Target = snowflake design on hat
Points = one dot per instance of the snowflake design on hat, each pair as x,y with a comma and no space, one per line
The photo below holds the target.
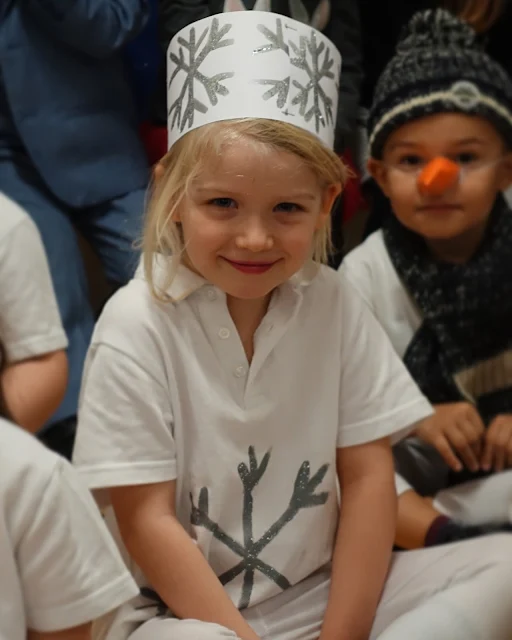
316,62
182,110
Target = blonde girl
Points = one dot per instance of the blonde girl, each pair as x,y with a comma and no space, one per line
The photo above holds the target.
234,386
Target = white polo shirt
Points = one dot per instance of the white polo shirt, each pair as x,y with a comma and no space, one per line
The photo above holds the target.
370,271
30,323
168,394
59,566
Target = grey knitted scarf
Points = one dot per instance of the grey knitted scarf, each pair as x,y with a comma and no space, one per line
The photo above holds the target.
463,348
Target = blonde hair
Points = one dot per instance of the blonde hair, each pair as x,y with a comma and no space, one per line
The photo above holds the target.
480,14
187,158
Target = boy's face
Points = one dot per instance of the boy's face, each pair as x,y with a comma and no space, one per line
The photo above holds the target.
465,204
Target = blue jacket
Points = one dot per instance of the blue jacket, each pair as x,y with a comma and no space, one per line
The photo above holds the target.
66,88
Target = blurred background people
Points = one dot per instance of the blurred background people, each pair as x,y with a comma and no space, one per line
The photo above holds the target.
70,152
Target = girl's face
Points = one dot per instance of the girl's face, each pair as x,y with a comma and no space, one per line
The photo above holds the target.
464,207
249,220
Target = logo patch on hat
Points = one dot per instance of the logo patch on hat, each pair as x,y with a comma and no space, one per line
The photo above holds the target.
465,95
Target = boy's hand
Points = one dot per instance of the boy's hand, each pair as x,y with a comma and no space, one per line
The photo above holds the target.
456,431
497,452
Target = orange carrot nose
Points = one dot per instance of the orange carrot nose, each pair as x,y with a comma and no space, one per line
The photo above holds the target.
438,176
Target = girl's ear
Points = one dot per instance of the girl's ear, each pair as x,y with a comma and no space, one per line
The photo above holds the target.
329,198
176,216
158,171
330,195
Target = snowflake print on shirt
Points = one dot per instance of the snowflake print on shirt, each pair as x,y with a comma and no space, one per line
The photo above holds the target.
303,496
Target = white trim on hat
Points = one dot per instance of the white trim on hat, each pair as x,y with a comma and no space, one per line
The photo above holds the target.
464,95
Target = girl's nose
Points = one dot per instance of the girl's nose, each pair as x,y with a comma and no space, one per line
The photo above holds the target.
440,175
255,237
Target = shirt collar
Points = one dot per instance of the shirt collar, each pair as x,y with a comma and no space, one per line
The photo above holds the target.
186,282
305,276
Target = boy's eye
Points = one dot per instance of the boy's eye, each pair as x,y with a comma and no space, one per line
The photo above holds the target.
410,161
465,158
288,207
223,203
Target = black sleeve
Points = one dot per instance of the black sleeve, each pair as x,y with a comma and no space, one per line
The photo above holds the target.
173,15
176,14
344,29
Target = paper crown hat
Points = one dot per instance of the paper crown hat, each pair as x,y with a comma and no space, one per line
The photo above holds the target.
252,64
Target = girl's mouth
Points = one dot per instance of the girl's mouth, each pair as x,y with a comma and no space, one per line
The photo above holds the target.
254,268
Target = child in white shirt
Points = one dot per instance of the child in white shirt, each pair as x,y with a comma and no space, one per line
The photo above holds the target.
438,276
60,567
33,363
234,383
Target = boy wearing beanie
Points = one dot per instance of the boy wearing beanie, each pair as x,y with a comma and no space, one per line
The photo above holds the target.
438,276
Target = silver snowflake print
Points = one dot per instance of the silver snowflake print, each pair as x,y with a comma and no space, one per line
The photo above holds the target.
315,60
183,109
304,495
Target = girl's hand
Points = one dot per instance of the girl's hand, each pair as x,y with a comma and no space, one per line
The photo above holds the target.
457,432
497,453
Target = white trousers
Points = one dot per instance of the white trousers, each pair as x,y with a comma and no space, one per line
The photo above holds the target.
483,501
460,591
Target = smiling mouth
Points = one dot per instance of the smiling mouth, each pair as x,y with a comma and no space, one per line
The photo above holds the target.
439,207
251,267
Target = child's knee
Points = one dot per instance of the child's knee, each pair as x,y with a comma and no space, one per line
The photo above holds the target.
158,629
486,552
499,550
197,630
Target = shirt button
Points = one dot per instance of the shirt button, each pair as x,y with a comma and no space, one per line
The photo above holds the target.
224,333
240,372
211,294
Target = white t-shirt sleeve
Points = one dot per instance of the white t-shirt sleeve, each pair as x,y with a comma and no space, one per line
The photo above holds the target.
356,270
30,323
125,422
378,397
69,566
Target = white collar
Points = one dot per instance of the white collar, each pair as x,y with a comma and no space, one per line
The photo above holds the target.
186,282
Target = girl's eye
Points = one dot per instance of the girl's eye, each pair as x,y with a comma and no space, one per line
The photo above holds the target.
223,203
288,207
466,158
